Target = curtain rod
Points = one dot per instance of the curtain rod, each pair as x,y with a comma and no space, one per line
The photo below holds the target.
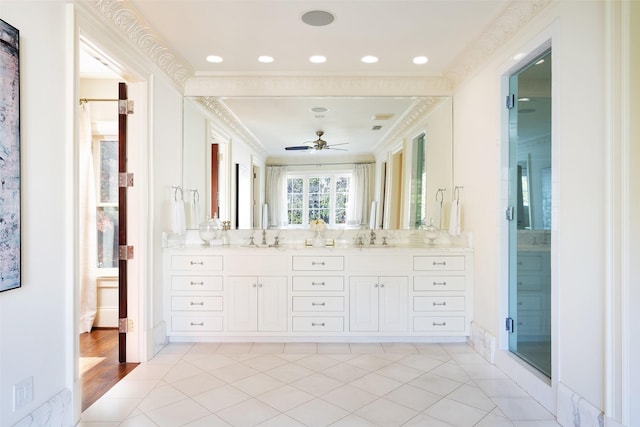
85,100
325,164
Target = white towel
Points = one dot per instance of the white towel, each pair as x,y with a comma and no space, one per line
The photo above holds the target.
454,219
179,223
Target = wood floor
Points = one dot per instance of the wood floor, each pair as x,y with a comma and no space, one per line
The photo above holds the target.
99,366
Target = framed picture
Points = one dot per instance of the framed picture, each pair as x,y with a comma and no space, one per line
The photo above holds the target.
10,244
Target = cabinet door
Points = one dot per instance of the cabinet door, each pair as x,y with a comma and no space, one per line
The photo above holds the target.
392,305
243,303
272,304
363,303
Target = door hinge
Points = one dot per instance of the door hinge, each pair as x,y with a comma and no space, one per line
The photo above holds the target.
511,101
509,213
508,324
125,253
125,179
123,325
125,106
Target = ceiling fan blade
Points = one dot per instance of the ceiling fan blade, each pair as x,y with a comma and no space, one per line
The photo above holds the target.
299,147
342,143
331,148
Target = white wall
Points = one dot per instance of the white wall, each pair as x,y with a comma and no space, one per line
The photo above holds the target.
35,321
578,56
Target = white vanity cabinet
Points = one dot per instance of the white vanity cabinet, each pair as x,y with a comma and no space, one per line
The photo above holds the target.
442,294
318,299
378,303
257,304
332,294
195,298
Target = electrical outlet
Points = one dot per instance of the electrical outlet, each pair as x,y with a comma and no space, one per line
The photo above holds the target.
22,393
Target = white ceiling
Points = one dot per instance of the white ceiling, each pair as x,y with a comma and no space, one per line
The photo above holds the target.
393,30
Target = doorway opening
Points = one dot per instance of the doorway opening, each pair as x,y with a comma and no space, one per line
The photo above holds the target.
99,237
529,213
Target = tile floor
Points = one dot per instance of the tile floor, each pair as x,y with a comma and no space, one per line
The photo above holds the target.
309,384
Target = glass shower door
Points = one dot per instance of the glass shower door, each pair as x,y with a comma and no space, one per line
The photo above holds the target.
529,213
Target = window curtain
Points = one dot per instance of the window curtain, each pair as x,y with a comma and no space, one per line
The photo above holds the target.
276,195
87,226
360,195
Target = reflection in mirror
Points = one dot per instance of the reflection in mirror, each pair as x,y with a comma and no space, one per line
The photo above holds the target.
392,203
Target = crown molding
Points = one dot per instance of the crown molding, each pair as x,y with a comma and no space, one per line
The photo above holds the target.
321,85
517,14
226,118
122,16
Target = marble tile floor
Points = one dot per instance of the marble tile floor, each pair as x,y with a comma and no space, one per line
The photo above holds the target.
316,384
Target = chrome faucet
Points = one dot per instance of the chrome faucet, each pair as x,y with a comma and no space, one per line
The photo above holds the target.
264,238
372,238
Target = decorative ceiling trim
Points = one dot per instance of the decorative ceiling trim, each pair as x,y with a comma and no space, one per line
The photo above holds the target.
121,15
417,112
503,28
222,113
317,86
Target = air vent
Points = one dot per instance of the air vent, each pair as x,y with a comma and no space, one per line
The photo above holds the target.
383,116
376,127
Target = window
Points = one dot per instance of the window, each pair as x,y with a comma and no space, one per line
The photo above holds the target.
315,196
106,152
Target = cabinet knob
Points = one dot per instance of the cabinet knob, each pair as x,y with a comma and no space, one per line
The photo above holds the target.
439,324
317,263
197,303
317,324
197,324
192,283
440,303
314,304
196,262
317,283
439,283
440,263
382,285
254,285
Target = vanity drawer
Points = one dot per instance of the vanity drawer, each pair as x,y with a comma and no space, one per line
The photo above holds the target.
196,323
318,324
196,283
318,263
438,324
318,303
530,262
438,304
318,283
534,282
438,263
438,283
196,303
196,262
530,302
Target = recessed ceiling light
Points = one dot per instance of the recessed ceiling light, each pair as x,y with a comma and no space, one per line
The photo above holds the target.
369,59
265,59
214,59
318,59
318,18
420,60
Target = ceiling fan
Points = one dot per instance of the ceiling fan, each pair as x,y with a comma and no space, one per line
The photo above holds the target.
318,144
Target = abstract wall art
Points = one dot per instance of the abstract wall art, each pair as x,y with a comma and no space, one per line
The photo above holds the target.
10,242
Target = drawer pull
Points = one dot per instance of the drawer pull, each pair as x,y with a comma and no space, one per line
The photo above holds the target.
196,283
439,324
440,303
197,324
439,283
440,263
314,304
317,263
317,324
317,283
197,303
196,262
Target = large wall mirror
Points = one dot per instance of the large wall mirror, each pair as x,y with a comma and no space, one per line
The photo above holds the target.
230,144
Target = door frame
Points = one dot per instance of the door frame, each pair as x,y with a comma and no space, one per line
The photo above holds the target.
543,389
